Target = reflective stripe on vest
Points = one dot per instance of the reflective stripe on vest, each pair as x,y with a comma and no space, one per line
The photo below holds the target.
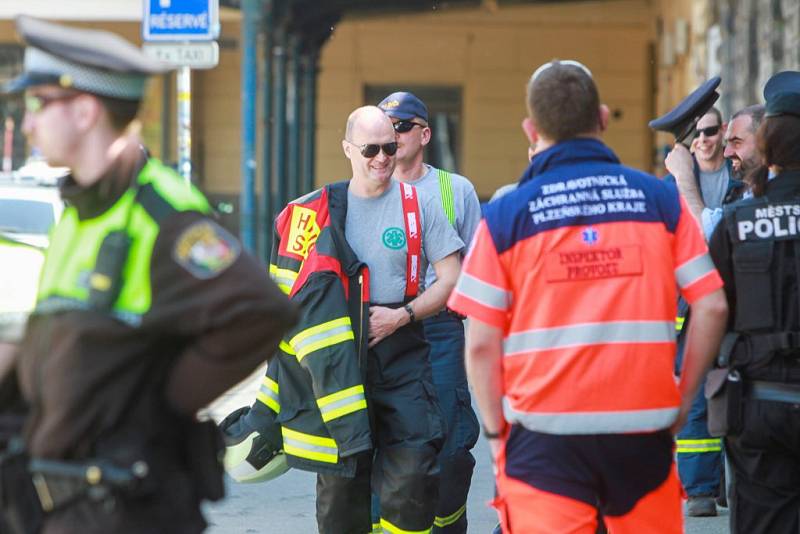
695,446
319,337
413,226
74,246
389,528
268,394
589,334
648,420
342,403
446,192
311,447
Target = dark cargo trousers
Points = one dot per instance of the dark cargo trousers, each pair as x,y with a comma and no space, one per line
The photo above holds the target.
445,333
408,430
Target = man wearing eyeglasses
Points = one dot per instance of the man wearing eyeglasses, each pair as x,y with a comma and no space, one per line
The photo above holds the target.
706,180
146,311
571,286
397,232
444,331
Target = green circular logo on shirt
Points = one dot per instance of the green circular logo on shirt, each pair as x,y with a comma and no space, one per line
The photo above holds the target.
394,238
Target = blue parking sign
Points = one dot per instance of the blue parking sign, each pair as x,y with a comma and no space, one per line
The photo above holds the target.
180,20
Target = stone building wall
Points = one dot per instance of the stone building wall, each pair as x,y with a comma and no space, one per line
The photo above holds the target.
759,38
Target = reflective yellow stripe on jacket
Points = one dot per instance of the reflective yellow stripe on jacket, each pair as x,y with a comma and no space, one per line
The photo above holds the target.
442,522
342,403
311,447
284,278
389,528
319,337
693,446
268,394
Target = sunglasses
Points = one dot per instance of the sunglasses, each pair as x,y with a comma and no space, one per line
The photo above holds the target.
708,132
370,150
405,126
36,103
568,62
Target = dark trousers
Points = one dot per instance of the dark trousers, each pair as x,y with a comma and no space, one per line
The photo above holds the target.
765,463
408,429
445,333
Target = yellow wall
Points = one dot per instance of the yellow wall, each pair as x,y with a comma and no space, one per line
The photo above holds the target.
491,54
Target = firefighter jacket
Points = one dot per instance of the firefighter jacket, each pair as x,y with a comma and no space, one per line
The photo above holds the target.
321,402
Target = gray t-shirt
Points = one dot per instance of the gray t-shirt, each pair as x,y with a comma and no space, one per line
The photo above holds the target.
466,206
376,232
713,186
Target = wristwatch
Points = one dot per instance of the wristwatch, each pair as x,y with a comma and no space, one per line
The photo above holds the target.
410,312
492,435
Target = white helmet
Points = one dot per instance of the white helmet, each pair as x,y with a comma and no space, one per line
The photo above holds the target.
252,455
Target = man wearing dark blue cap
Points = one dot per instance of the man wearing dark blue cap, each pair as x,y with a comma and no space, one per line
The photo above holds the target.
756,250
147,310
444,331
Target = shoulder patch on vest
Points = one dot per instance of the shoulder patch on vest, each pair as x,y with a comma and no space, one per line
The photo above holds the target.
205,249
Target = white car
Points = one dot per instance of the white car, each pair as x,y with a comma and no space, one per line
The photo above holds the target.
28,212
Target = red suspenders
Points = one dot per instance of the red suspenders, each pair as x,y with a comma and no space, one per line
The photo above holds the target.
413,238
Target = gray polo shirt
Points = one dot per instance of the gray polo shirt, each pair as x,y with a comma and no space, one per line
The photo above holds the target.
466,206
375,230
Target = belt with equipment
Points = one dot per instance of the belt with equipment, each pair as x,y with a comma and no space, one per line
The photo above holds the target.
58,483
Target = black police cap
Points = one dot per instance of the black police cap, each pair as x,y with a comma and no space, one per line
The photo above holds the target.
681,120
782,94
94,61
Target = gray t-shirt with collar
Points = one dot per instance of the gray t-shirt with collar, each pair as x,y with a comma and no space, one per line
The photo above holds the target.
375,230
466,206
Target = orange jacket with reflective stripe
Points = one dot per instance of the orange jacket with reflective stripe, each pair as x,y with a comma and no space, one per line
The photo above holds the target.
579,268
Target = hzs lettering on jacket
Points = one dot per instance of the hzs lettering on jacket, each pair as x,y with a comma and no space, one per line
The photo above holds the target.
303,232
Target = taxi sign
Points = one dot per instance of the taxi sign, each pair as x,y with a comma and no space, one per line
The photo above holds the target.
180,20
203,55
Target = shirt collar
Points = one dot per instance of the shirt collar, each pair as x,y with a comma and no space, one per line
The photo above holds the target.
570,152
96,199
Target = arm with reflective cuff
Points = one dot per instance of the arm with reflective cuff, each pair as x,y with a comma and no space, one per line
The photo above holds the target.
694,271
325,345
482,291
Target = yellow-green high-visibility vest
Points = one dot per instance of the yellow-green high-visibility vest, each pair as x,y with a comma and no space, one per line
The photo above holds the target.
70,271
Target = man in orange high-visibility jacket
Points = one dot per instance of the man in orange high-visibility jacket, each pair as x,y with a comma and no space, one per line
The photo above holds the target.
570,286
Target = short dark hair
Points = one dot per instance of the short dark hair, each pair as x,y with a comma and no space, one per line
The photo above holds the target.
563,102
717,114
778,141
120,112
756,114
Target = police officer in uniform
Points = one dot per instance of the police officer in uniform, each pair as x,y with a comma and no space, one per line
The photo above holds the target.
757,252
146,311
